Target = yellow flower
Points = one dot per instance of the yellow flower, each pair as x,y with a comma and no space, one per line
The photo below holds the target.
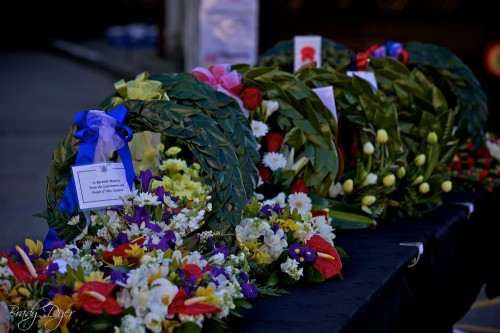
288,225
424,188
172,151
348,186
446,186
419,160
382,136
368,200
209,294
432,138
418,180
94,276
401,172
35,248
135,251
389,180
262,257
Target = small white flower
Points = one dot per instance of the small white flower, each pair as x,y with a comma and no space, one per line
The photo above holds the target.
145,199
300,201
154,321
371,179
335,190
368,148
494,149
74,220
272,106
259,128
291,267
274,161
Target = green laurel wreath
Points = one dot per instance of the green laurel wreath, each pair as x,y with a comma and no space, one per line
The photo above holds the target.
201,135
447,70
309,127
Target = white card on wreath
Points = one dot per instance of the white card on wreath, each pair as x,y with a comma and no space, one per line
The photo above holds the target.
327,96
306,50
368,76
100,185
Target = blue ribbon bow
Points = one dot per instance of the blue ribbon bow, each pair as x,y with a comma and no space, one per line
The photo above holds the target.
100,133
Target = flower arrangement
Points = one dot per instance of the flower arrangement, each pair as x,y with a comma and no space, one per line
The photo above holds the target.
294,129
129,270
477,169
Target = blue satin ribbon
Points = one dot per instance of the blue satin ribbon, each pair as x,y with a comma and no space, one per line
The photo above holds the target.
89,137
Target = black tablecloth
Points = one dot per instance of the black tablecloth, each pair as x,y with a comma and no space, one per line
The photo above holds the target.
379,292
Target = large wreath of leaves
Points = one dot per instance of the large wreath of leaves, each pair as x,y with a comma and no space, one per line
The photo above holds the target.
309,127
281,55
447,70
201,135
422,108
185,89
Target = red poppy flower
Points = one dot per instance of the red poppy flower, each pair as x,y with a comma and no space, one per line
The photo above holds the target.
299,185
274,141
328,262
94,297
190,306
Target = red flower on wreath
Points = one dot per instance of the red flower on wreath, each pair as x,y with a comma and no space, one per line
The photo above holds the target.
94,297
264,172
251,98
274,141
328,262
299,185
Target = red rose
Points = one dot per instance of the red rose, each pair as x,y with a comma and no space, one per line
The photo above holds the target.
251,98
299,186
264,172
274,142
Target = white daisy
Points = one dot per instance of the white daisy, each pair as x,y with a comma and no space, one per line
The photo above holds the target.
301,201
146,198
274,161
259,128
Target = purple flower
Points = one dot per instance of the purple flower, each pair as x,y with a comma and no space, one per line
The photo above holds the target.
141,214
166,242
269,209
249,291
161,193
120,239
145,178
303,255
118,276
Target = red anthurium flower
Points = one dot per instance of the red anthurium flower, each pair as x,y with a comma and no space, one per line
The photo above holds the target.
251,98
274,141
190,306
328,262
25,273
264,172
94,297
120,251
299,185
193,270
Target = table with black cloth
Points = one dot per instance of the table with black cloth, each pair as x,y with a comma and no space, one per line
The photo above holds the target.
381,290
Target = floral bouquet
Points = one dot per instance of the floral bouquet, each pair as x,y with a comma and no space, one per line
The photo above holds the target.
129,269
